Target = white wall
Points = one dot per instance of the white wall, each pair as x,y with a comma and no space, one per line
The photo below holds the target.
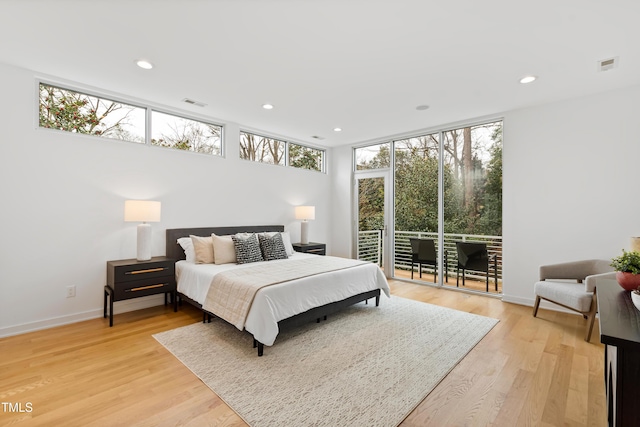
342,205
570,178
570,182
63,199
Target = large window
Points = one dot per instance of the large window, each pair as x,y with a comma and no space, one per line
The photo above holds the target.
305,157
373,157
77,112
263,149
185,134
80,113
447,188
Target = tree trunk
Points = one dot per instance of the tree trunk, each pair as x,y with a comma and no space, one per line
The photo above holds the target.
467,166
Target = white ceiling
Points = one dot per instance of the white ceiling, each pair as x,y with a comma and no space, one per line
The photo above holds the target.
362,65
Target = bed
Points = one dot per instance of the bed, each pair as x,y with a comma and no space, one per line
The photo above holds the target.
280,305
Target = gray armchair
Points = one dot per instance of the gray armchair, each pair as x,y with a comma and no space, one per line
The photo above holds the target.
572,285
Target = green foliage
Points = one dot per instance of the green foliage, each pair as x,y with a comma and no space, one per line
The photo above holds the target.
305,157
416,189
628,262
75,112
371,204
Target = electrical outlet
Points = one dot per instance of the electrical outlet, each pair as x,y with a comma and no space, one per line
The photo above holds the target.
71,291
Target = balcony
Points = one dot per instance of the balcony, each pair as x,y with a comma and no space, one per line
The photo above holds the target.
370,249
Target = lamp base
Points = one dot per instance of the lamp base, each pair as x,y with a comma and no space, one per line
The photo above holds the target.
144,242
304,232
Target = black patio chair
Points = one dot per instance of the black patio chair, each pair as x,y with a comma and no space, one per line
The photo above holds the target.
475,257
423,251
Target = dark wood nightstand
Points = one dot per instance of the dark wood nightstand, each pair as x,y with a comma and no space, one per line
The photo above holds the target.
311,248
130,278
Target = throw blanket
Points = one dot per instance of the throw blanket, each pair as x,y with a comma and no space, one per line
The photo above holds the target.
231,292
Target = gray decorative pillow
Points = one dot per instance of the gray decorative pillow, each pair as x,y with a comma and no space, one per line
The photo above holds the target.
247,249
272,247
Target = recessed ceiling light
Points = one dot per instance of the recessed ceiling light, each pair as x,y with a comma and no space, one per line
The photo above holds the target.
337,129
528,79
144,64
422,107
267,106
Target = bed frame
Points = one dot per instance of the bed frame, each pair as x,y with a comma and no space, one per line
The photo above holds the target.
175,251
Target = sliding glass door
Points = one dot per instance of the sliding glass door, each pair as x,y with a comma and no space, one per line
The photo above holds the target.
446,200
472,162
416,177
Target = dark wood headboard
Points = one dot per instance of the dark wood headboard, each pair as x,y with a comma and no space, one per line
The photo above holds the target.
174,250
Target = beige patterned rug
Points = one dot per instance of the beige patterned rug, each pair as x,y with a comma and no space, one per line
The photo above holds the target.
365,366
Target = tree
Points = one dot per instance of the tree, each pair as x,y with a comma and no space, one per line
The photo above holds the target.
371,204
305,157
490,221
472,187
75,112
191,135
261,149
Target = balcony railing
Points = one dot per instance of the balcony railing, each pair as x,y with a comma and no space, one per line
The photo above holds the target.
370,249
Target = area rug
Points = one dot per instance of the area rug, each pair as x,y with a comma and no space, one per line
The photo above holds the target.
364,366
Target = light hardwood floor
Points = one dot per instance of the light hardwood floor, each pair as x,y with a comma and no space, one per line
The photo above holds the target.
526,372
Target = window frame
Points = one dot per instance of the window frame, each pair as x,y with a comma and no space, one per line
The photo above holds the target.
287,143
323,156
148,108
260,135
150,112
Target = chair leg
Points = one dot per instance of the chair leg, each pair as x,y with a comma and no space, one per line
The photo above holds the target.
420,269
457,276
591,317
446,267
535,306
411,270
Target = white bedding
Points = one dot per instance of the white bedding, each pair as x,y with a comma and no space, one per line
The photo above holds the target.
276,302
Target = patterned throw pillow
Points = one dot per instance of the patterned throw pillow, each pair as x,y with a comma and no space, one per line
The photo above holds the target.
247,249
272,247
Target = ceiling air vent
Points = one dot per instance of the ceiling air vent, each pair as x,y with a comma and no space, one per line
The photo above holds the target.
192,102
608,64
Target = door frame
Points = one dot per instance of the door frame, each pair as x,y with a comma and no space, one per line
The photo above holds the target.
388,234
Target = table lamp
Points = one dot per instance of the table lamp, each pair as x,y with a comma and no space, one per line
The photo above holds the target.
305,213
143,211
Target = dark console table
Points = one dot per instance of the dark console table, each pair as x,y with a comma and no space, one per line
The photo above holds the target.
620,332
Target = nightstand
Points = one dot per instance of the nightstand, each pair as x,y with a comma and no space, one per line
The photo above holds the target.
311,248
130,278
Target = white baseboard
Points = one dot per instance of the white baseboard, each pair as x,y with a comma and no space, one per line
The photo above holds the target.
118,307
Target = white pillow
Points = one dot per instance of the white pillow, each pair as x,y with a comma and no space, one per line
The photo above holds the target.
187,246
203,248
224,252
286,239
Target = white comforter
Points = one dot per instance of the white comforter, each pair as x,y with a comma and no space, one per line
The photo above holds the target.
276,302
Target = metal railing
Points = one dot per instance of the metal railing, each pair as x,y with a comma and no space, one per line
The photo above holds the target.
370,246
370,249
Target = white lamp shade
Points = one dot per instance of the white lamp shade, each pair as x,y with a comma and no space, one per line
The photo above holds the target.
305,212
141,211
